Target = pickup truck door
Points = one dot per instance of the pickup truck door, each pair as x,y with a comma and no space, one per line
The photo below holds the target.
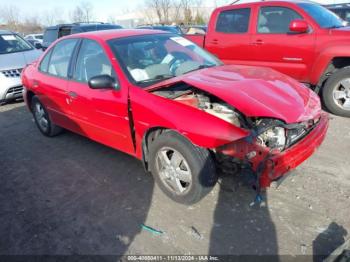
276,47
229,35
101,114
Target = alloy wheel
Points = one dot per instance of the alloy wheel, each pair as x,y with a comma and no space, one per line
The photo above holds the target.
41,117
341,94
173,170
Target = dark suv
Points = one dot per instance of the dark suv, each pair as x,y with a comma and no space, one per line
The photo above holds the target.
342,10
52,33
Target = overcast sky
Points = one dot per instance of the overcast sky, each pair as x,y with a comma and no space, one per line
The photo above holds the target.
102,8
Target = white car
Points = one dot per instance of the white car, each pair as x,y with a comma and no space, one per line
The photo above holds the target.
34,38
15,54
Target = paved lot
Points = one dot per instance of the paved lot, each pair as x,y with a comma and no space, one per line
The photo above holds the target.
69,195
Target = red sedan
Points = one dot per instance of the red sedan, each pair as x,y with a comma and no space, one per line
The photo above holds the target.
169,103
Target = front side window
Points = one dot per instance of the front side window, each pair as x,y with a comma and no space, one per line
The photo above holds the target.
322,16
61,56
276,19
91,62
148,59
233,21
11,43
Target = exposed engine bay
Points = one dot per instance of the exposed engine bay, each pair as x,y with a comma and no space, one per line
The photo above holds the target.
203,101
266,132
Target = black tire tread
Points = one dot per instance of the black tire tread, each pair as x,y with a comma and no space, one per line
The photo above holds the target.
54,130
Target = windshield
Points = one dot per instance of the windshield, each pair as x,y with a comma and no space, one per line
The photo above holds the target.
149,59
13,43
39,37
324,17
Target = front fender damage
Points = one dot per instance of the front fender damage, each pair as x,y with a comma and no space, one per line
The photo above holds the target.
270,148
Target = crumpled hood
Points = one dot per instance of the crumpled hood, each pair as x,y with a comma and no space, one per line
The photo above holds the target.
256,92
18,60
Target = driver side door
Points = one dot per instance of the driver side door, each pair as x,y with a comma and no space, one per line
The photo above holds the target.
275,46
102,114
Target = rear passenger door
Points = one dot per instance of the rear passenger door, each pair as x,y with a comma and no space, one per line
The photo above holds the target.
276,47
230,35
52,80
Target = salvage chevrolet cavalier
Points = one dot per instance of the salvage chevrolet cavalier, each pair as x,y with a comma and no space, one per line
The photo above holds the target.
164,100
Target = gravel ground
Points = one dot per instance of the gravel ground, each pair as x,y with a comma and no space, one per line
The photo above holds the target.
69,195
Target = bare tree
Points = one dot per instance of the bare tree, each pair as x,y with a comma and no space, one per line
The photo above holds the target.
53,17
87,9
82,13
11,16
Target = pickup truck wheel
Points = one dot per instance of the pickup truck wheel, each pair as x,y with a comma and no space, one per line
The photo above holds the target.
43,120
336,93
183,171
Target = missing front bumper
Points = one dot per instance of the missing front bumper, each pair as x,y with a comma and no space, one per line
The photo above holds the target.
271,166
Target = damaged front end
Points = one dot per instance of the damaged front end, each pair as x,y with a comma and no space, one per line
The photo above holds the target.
272,147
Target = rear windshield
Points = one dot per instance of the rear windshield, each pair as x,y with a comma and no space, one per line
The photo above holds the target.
11,43
50,36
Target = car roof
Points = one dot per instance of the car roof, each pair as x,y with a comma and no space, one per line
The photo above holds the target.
118,33
6,32
79,25
270,1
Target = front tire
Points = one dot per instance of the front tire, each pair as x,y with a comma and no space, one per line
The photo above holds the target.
183,171
43,120
336,93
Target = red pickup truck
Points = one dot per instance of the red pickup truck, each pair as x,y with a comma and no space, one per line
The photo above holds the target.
301,39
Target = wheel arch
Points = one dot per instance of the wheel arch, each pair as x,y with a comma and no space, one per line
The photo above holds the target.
28,98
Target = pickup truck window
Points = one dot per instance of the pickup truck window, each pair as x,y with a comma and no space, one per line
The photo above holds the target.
234,21
323,17
276,19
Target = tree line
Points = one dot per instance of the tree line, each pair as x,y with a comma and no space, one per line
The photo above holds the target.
152,11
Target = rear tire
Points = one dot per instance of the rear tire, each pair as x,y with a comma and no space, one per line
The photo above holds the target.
43,120
336,93
183,171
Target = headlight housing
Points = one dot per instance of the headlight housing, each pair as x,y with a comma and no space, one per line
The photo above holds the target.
274,138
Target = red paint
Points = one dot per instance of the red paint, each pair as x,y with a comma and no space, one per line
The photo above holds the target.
303,56
104,115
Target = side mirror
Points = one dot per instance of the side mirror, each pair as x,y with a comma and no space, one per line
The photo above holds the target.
298,26
38,45
103,82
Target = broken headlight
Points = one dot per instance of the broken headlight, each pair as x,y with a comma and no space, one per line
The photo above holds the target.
274,138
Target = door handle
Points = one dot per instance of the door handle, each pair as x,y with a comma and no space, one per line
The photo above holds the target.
214,41
72,94
258,42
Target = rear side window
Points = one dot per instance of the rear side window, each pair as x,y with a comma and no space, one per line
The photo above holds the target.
61,56
276,19
233,21
92,61
44,65
50,35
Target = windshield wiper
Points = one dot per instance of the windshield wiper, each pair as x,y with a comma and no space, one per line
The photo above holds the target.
156,78
199,67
